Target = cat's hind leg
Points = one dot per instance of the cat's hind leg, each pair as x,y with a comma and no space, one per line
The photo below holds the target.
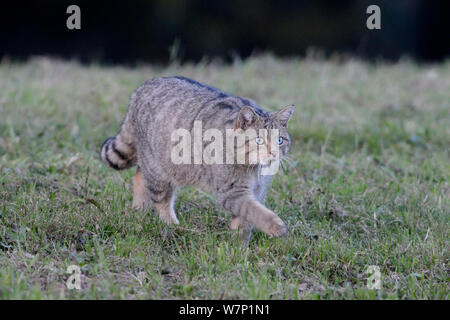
140,191
163,202
160,195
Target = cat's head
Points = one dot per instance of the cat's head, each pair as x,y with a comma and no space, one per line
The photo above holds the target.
267,134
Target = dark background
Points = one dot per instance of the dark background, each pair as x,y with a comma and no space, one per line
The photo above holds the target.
130,32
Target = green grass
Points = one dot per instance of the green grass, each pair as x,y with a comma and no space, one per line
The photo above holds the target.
368,185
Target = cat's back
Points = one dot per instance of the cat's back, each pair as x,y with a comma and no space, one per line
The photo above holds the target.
174,88
178,101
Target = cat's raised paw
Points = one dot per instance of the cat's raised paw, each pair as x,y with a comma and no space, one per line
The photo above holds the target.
277,228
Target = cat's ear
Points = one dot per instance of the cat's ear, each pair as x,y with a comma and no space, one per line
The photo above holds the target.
283,115
246,118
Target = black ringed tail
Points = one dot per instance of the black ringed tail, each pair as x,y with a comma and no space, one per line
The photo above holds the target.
118,154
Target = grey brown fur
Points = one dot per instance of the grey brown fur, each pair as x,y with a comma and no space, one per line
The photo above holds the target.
162,105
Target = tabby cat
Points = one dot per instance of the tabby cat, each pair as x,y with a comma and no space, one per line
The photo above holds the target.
162,105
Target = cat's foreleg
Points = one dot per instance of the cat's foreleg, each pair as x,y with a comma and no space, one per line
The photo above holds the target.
245,208
245,229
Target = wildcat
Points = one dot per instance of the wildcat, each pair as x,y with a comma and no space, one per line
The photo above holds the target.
162,105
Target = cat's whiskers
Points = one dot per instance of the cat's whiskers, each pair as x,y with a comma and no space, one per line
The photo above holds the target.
289,162
283,164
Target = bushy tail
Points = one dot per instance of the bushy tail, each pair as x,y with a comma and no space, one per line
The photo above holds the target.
119,152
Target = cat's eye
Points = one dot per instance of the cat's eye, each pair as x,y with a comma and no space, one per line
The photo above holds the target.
280,140
259,140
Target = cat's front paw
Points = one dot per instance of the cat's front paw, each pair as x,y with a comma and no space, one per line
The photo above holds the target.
138,205
277,228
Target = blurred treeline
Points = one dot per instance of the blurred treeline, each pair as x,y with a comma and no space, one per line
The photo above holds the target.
160,30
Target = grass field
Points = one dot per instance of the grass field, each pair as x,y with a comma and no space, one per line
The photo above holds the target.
368,184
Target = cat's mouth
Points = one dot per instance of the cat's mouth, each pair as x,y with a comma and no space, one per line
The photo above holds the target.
268,161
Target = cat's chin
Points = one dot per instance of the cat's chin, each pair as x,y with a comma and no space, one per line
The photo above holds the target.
266,164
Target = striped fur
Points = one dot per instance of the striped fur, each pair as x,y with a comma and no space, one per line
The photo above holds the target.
120,152
162,105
